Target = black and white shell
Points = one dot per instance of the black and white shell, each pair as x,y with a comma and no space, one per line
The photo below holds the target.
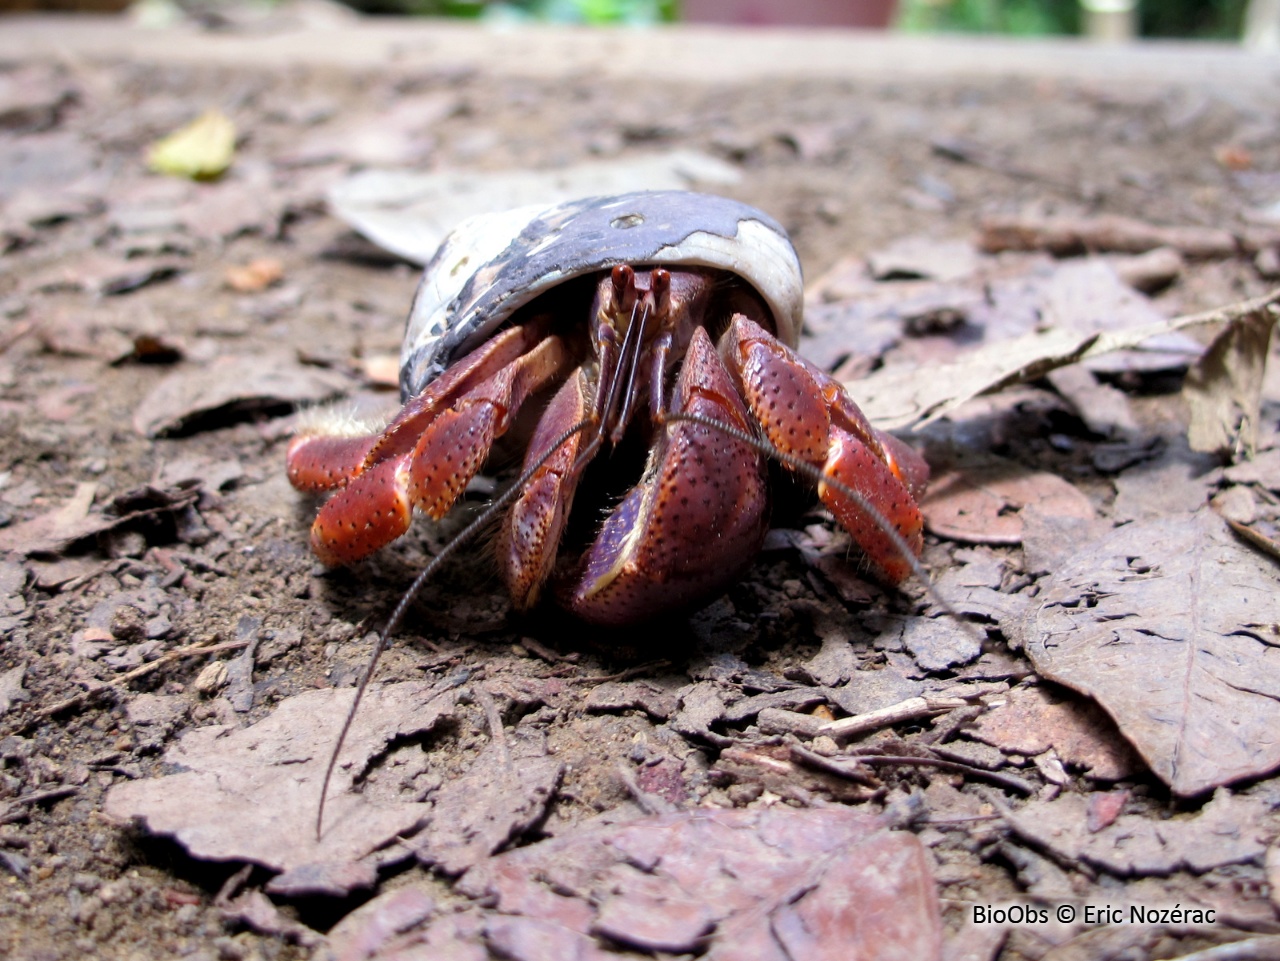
494,264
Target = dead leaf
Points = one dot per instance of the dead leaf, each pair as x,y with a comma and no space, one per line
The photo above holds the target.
53,532
1033,719
938,643
1224,387
105,274
33,98
504,793
11,691
409,213
1228,830
364,932
1147,621
1104,409
245,794
402,136
229,388
255,276
639,695
767,884
924,256
255,909
1176,482
894,397
981,500
202,150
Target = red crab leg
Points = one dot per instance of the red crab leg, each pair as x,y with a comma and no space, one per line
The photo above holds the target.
376,506
321,461
805,412
696,519
531,533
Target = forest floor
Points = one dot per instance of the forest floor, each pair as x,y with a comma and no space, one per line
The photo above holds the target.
158,336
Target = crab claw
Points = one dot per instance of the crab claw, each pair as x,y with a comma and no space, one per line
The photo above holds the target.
806,413
426,457
696,519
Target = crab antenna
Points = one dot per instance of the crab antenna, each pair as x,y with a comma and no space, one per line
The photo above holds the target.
632,359
402,607
615,378
818,477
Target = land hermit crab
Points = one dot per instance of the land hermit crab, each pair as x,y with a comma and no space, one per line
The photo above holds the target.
655,327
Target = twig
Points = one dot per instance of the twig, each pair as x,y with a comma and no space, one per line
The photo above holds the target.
1252,537
48,794
1015,784
913,708
541,650
637,671
832,765
497,733
76,700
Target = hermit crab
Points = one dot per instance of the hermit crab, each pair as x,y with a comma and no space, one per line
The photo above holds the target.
652,332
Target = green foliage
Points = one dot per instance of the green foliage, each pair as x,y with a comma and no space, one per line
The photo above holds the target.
551,11
1203,19
991,16
1199,19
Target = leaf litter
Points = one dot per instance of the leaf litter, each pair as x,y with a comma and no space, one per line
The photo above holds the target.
1210,677
737,803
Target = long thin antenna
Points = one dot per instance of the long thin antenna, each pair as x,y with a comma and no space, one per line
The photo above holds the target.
402,608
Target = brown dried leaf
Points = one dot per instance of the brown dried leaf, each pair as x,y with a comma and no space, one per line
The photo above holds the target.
51,533
403,925
1177,482
11,691
1033,719
937,643
981,500
1228,830
504,793
1148,622
245,794
894,397
232,387
924,256
768,884
1224,388
255,276
104,274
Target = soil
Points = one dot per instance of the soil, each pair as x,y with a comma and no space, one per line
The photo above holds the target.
848,166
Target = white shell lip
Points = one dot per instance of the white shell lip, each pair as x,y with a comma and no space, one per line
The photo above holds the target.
493,264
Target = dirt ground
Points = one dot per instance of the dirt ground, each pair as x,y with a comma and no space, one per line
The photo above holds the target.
114,278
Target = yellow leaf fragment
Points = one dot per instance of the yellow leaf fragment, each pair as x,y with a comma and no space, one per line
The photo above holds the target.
202,150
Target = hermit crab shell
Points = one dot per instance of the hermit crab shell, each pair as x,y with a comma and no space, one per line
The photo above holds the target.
494,264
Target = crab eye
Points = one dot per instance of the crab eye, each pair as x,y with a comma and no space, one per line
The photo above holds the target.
627,221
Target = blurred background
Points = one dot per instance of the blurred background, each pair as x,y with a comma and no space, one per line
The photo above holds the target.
1251,20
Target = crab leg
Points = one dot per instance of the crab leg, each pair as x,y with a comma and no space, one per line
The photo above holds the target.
535,523
805,412
695,520
327,456
453,442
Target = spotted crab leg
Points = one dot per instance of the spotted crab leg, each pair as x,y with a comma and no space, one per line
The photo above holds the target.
430,452
805,412
695,520
531,534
